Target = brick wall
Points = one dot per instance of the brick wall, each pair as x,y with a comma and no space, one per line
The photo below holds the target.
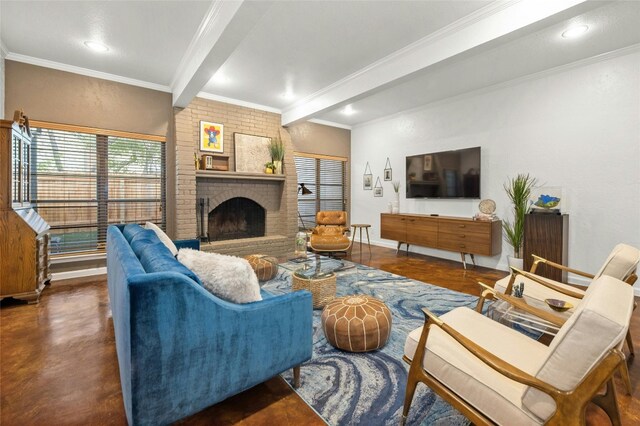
282,222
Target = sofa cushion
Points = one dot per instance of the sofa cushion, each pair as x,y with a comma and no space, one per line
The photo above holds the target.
157,258
142,239
163,237
131,230
227,277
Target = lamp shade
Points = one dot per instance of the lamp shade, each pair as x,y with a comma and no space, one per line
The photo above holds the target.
305,190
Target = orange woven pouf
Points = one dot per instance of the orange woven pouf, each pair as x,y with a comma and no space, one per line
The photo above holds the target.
356,323
265,267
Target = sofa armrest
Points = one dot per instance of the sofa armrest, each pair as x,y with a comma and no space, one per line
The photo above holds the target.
191,349
192,244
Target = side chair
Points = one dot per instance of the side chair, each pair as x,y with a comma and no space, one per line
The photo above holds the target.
494,374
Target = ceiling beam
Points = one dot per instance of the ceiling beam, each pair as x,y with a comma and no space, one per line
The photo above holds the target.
221,31
483,26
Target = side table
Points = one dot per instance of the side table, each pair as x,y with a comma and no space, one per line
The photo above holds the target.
360,226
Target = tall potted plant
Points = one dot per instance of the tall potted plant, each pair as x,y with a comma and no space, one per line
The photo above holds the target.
518,190
276,149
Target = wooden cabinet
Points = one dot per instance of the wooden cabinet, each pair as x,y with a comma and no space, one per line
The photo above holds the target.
546,235
24,234
462,235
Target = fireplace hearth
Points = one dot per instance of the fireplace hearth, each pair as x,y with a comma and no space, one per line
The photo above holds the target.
236,218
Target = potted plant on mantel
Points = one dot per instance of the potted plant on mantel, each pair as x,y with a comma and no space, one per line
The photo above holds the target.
518,190
276,149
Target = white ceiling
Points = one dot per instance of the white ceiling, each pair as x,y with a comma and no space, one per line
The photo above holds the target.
328,53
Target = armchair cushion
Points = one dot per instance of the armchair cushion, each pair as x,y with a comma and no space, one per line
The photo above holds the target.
621,263
598,325
449,362
331,217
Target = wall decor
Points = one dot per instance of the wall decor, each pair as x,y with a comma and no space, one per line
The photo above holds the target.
252,152
211,137
377,190
367,178
388,175
546,199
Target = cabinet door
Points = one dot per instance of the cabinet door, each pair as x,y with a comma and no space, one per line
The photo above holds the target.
422,231
465,236
393,227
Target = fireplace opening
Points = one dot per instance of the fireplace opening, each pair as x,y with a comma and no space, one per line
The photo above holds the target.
236,218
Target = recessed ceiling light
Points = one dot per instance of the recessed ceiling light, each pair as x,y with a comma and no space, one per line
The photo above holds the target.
96,46
288,95
348,110
575,31
220,78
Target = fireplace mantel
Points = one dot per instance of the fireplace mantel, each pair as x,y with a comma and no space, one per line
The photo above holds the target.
212,174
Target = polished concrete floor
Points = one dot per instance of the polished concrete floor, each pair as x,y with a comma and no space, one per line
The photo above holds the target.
58,360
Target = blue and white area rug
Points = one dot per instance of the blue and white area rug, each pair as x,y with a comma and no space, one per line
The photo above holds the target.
368,388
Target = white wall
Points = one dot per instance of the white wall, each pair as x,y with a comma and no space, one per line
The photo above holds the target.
578,128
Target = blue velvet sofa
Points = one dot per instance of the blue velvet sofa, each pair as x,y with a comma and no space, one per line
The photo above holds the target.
180,348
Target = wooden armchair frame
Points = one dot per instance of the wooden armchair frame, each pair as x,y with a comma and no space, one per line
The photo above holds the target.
570,405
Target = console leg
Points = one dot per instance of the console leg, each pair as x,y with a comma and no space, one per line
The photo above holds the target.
473,259
464,260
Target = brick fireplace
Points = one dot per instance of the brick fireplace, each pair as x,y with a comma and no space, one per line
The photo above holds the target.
275,194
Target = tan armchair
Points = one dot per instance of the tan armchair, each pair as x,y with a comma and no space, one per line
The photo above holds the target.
329,234
622,263
496,375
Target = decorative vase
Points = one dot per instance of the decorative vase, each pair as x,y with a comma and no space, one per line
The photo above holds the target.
278,165
390,206
301,244
395,205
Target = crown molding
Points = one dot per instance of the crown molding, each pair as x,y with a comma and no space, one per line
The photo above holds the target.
634,48
329,123
238,102
86,71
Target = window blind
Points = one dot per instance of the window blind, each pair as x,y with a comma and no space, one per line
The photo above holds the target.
83,180
325,178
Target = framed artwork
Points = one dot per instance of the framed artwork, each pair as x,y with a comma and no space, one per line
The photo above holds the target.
377,190
211,137
428,163
252,152
367,178
388,175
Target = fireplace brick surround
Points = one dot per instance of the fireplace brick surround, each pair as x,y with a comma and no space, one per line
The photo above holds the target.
278,198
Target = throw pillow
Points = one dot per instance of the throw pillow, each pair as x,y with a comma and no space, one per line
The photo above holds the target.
163,237
228,277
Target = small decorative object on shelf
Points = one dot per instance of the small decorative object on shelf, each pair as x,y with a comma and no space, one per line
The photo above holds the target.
546,200
207,162
487,210
395,206
269,168
197,160
301,245
276,149
518,290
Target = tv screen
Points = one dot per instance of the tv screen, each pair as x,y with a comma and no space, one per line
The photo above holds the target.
447,174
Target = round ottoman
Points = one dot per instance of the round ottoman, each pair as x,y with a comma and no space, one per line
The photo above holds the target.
356,323
265,267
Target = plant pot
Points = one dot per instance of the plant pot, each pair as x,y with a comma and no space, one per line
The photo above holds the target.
268,171
515,262
278,165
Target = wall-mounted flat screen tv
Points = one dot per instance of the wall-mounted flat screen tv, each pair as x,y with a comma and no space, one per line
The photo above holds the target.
447,174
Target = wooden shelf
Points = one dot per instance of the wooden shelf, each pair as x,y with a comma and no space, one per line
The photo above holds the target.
213,174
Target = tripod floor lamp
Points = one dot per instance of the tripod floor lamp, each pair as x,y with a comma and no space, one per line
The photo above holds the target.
305,191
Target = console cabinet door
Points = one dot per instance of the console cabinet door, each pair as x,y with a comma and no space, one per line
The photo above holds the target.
422,231
393,227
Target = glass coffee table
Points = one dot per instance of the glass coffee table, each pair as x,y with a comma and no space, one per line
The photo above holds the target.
317,274
507,314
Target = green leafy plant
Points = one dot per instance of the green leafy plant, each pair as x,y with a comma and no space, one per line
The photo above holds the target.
276,149
270,166
518,190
